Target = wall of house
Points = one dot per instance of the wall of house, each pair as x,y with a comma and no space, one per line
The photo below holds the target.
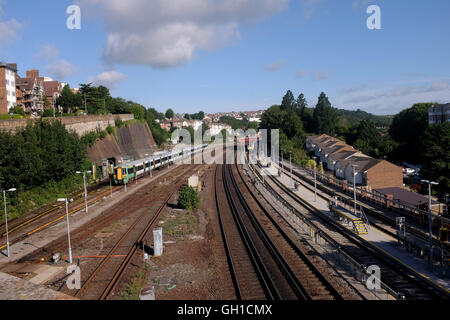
384,175
81,125
349,175
3,97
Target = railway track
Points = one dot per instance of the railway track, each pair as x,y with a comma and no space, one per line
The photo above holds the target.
244,271
122,209
22,228
284,271
46,219
401,281
104,280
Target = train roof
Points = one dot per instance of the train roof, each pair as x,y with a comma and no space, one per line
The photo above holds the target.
154,157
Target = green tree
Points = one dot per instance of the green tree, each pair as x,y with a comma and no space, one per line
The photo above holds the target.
325,116
170,114
301,105
68,100
95,98
288,102
407,129
435,154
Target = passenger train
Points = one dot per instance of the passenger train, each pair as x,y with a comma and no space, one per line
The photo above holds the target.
131,170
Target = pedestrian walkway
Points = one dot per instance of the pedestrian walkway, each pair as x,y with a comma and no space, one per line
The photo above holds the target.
13,288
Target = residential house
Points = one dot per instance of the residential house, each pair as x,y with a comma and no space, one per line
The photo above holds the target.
32,90
216,128
342,159
52,91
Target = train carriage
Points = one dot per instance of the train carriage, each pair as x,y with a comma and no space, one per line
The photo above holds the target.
131,170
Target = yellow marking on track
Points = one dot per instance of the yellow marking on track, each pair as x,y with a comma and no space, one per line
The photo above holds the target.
31,220
52,222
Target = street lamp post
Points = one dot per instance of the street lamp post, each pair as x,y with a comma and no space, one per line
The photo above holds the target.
85,188
354,187
315,180
68,226
290,163
430,220
6,219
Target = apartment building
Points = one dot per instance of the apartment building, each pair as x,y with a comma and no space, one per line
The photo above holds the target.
8,74
439,114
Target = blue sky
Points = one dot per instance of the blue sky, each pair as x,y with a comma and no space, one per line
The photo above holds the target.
222,55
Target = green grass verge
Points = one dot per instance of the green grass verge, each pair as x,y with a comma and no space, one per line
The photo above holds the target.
180,225
132,289
28,200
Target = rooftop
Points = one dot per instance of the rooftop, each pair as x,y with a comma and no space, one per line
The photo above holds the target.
406,196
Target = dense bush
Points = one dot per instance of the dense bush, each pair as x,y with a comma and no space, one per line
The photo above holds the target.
38,154
188,198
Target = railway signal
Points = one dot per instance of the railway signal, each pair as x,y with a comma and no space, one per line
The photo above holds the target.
6,218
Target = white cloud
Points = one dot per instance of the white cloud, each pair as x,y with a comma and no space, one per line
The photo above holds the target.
108,79
48,52
274,66
9,31
163,33
393,100
59,69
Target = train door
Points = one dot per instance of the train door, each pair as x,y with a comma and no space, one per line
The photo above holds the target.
119,174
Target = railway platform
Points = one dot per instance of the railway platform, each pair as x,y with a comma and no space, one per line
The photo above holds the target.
381,240
13,288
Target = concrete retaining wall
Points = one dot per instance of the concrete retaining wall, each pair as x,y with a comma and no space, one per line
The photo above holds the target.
81,125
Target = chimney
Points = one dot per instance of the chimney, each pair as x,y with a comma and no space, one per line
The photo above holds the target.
34,74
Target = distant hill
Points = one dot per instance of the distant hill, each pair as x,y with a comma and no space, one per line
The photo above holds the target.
354,117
